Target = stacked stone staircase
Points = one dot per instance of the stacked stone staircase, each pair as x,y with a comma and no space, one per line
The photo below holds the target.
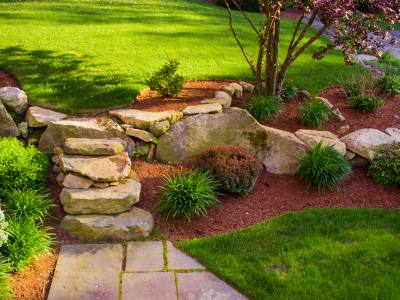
100,191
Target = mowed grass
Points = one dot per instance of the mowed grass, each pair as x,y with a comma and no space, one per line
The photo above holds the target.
75,54
313,254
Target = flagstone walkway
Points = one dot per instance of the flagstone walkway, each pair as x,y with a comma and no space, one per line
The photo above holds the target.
151,270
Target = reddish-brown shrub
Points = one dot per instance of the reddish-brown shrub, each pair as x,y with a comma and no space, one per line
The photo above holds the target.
235,168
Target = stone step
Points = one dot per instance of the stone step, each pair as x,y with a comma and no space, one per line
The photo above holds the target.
110,200
98,168
93,147
203,109
40,117
132,225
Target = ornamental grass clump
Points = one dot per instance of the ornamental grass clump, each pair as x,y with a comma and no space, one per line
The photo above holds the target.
323,167
185,195
385,167
21,167
365,103
236,169
263,107
314,113
390,85
6,291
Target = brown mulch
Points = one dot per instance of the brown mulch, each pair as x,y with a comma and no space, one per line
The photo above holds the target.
387,116
6,79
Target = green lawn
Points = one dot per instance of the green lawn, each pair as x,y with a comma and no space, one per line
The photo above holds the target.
313,254
78,54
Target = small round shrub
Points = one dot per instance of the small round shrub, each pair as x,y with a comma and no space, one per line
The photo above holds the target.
21,167
365,103
235,168
385,167
390,85
323,167
289,91
27,204
25,242
263,107
314,113
166,81
187,194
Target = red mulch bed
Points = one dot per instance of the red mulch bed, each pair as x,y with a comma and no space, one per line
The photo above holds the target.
6,79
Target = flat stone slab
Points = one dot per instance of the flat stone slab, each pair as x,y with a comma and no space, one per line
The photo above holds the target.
132,225
138,118
177,260
93,147
98,168
313,137
205,285
144,256
109,200
149,286
394,133
87,272
224,102
41,117
203,109
140,134
74,181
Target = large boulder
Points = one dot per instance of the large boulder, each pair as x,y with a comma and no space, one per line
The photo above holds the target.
326,138
110,200
40,117
277,149
91,128
14,98
98,168
7,124
82,146
132,225
365,142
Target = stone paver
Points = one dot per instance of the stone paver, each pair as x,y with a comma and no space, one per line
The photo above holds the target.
177,260
205,285
149,286
98,272
144,256
87,272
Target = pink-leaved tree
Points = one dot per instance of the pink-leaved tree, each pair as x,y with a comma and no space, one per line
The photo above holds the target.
351,30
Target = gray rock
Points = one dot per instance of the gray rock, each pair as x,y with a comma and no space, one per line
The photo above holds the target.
74,181
159,128
247,87
203,109
23,129
335,111
277,149
238,90
90,128
110,200
143,119
98,168
82,146
7,124
140,134
14,98
313,137
225,102
41,117
229,90
227,99
394,133
132,225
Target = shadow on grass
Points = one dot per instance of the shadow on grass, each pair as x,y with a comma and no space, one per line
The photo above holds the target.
67,81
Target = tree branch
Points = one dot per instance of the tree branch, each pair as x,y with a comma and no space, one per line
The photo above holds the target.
245,16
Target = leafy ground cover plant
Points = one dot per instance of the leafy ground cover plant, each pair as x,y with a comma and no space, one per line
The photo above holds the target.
323,167
236,169
187,194
385,167
263,107
366,103
289,91
27,204
166,81
314,113
21,167
26,241
390,85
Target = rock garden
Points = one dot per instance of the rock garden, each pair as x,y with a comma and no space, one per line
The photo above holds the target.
249,186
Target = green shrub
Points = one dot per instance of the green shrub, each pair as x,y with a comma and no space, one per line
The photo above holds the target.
166,81
5,279
353,89
323,167
365,103
235,168
27,204
26,241
314,113
385,167
21,167
390,85
389,64
187,195
289,91
247,5
263,107
3,227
